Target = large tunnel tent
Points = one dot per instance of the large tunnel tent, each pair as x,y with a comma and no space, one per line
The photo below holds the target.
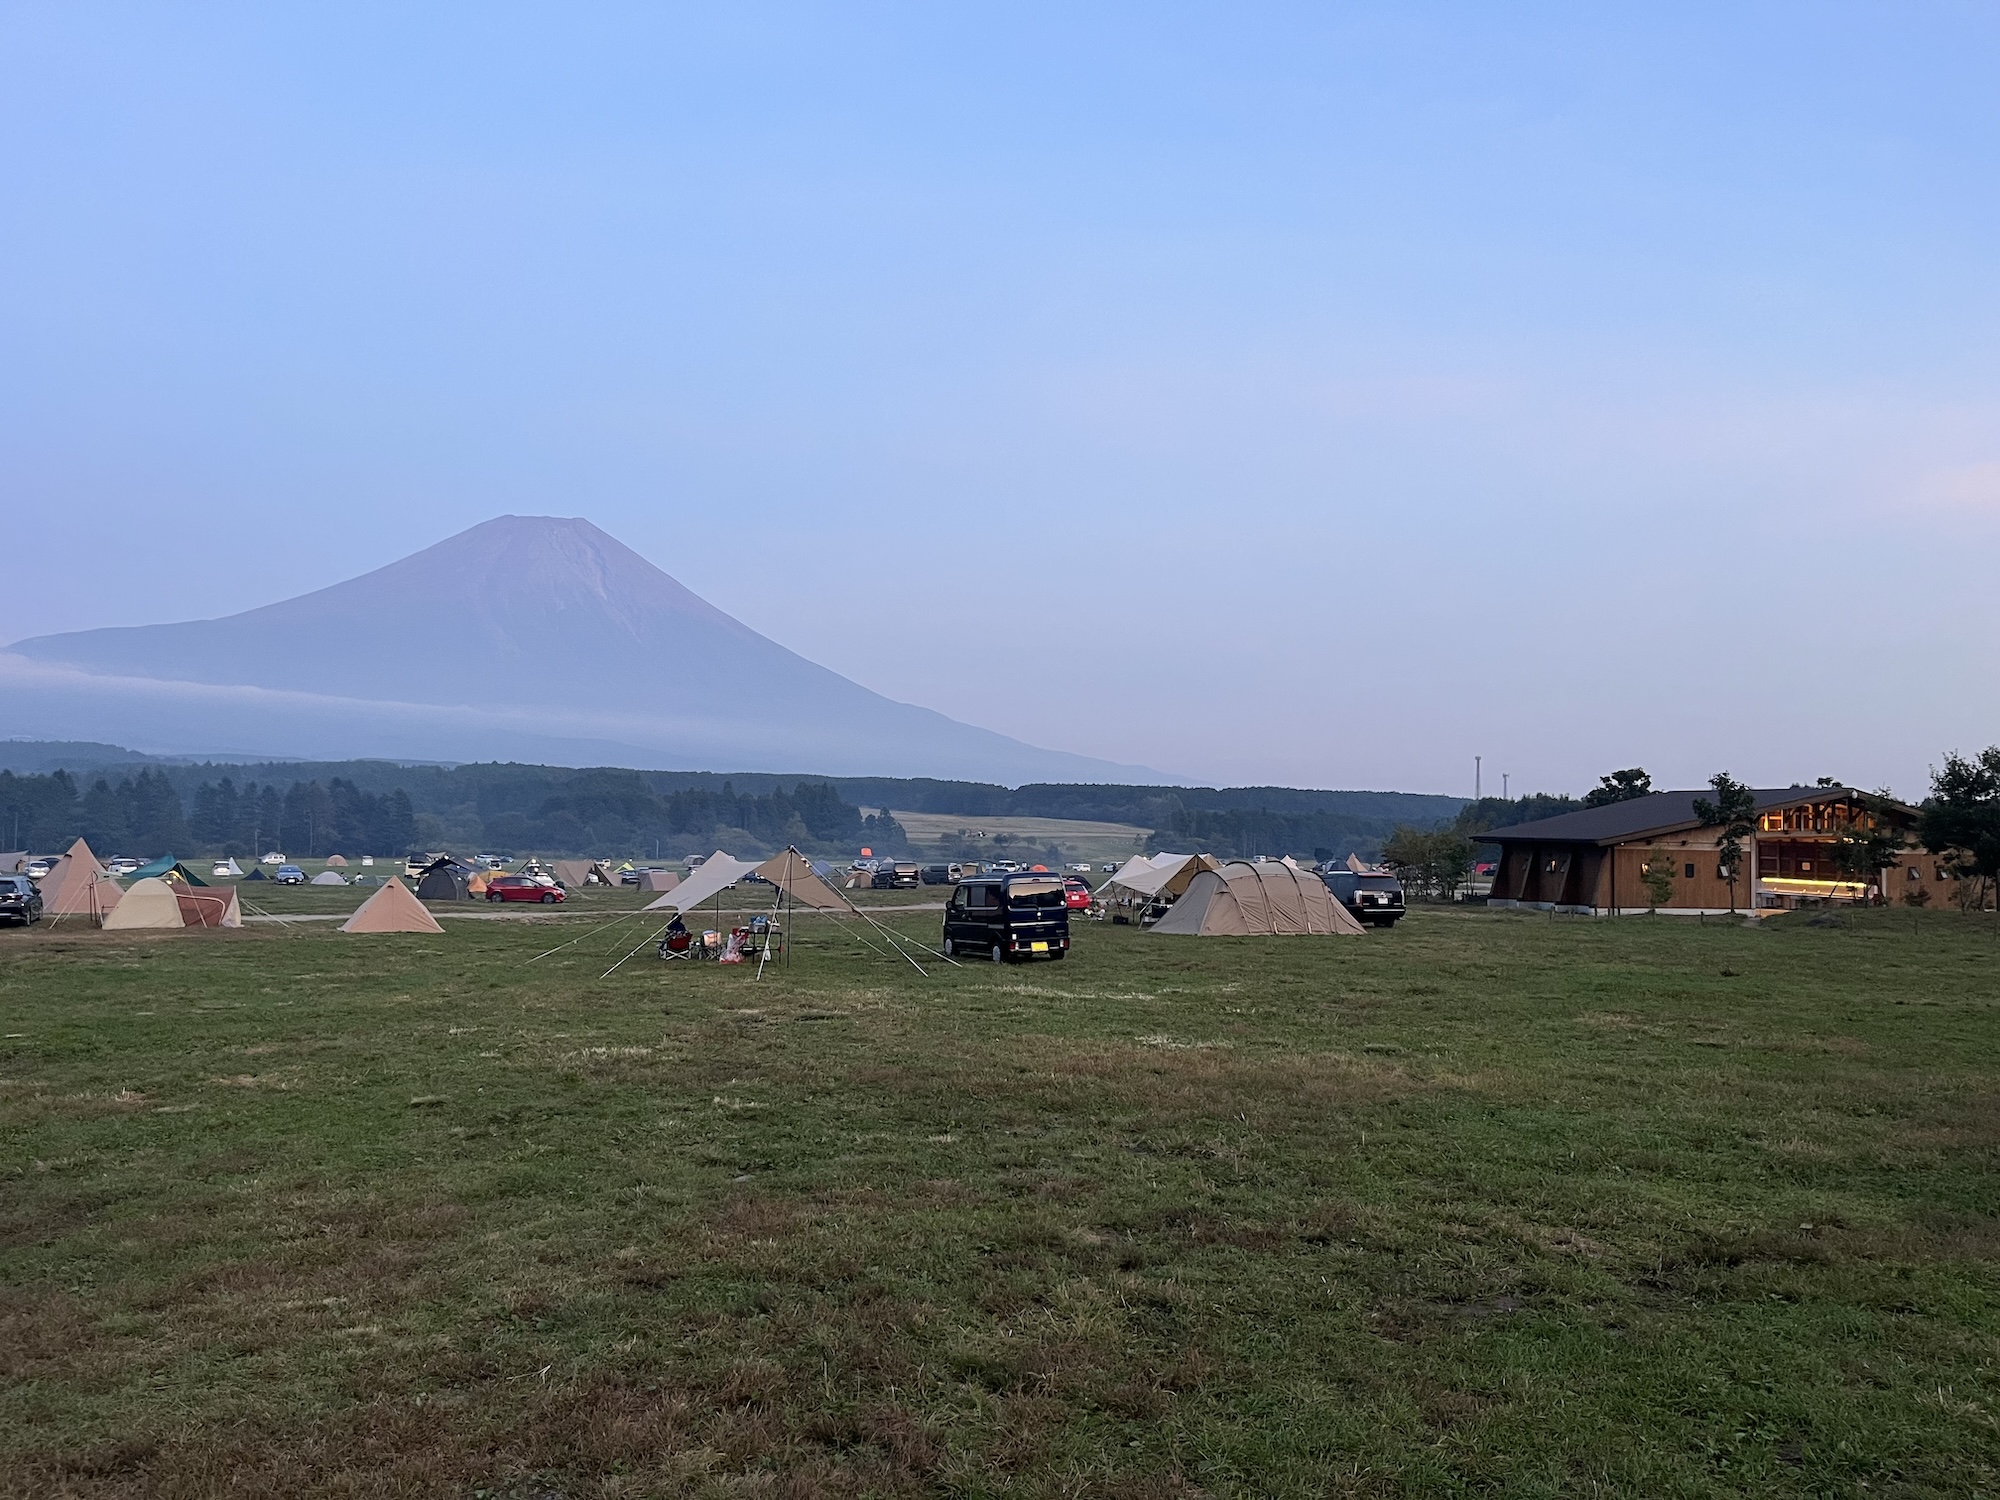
1274,898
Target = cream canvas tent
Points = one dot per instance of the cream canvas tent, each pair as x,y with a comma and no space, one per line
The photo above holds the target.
1163,877
800,884
1272,899
575,875
11,863
392,909
658,880
208,908
711,877
336,861
329,877
79,885
150,903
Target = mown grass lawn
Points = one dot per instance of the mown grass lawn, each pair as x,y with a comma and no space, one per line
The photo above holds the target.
1490,1204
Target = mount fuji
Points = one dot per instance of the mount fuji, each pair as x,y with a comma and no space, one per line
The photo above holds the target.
525,638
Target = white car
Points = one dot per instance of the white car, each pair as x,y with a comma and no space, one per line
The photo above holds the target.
121,866
273,858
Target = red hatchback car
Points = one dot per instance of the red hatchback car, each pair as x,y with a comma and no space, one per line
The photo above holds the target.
1076,895
523,888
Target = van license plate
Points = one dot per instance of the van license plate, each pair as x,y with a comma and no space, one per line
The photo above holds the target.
1038,947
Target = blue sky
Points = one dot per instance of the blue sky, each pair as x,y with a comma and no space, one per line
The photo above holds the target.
1354,389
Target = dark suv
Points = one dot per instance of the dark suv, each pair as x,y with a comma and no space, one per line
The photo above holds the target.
1376,900
1007,917
19,900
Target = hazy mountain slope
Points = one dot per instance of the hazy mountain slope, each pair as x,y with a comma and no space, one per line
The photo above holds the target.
529,636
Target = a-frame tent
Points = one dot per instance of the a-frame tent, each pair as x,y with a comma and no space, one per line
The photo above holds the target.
799,884
391,909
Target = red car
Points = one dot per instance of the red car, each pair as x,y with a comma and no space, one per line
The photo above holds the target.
1076,895
523,888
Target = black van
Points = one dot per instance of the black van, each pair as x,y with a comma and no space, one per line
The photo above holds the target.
1375,899
1005,917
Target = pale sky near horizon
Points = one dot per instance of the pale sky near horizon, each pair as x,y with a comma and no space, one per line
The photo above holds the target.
1355,389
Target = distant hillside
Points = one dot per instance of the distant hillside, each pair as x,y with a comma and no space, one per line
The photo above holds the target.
520,807
530,637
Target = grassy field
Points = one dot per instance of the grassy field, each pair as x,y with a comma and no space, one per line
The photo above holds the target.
1097,842
1488,1204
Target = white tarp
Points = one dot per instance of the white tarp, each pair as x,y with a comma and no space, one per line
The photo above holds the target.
713,875
1143,874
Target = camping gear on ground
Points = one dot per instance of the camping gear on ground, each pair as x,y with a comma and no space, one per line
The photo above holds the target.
391,909
444,879
79,886
208,908
328,877
150,903
366,880
1273,898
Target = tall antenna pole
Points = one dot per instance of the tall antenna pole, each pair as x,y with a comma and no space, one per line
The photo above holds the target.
1504,797
1475,778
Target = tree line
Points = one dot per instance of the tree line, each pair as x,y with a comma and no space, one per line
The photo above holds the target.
565,812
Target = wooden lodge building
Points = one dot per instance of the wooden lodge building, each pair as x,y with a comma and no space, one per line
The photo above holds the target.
1594,861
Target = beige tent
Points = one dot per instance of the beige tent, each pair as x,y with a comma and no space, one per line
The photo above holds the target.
11,863
79,885
658,880
709,878
793,874
1272,899
1164,877
602,873
150,903
570,873
337,861
207,908
392,909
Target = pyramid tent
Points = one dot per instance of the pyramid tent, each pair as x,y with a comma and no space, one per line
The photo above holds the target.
570,873
792,873
150,903
79,885
658,880
392,909
228,867
256,874
209,908
711,877
602,873
1272,899
336,861
328,877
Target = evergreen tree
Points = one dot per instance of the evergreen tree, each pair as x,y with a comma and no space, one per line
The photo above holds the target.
104,818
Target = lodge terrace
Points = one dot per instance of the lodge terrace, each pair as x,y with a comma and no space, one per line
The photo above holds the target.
1594,861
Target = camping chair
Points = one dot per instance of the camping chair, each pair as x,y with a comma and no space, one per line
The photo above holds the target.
678,945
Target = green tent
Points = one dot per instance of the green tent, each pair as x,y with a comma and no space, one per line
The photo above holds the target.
166,867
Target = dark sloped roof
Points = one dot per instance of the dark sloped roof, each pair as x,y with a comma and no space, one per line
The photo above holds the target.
1662,812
